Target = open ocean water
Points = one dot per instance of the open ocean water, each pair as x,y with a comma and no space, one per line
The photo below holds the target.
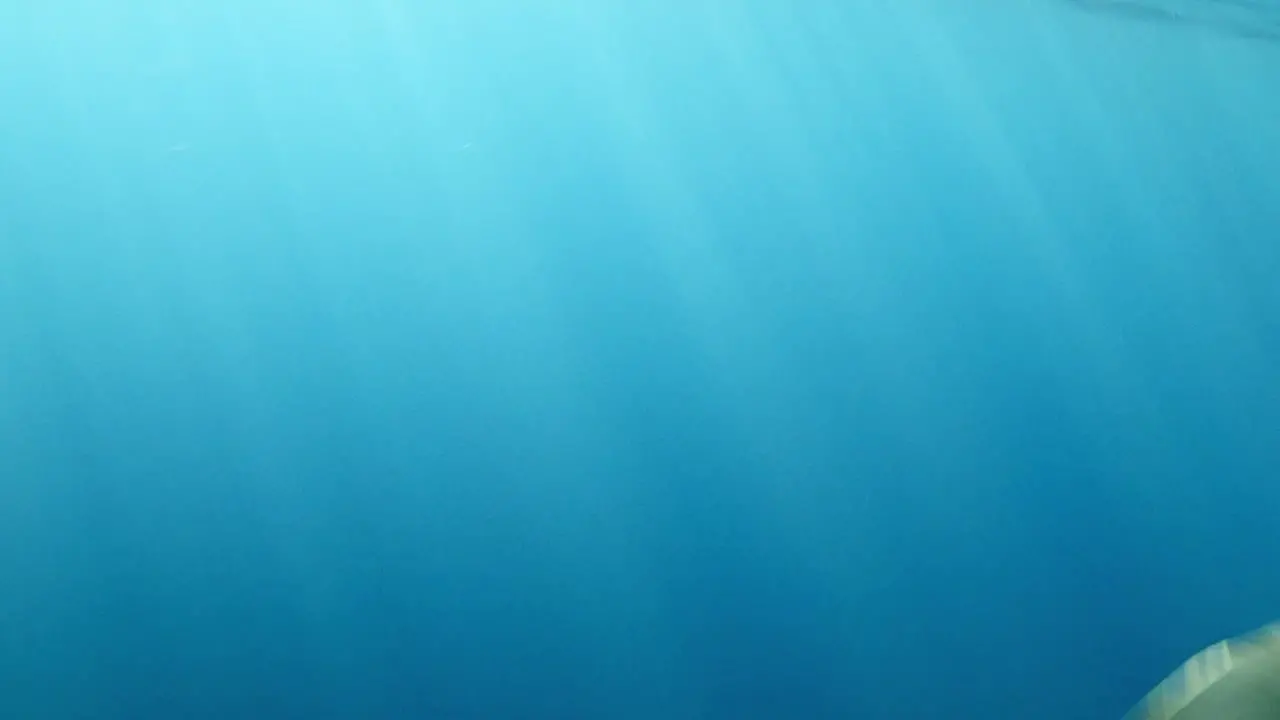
623,360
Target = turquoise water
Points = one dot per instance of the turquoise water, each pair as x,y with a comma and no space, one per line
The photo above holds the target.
632,361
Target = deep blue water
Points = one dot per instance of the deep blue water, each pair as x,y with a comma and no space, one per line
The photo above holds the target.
631,360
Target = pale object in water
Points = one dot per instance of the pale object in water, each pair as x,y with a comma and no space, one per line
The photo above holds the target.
1235,679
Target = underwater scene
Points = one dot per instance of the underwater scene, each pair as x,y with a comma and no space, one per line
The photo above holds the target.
622,360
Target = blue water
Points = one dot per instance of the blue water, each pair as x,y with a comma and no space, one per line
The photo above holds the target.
657,360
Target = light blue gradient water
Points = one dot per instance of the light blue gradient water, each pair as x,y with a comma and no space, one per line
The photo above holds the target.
630,360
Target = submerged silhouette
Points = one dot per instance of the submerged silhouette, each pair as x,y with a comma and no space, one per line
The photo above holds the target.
1237,679
1255,19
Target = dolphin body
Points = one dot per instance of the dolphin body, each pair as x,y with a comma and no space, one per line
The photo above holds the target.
1235,679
